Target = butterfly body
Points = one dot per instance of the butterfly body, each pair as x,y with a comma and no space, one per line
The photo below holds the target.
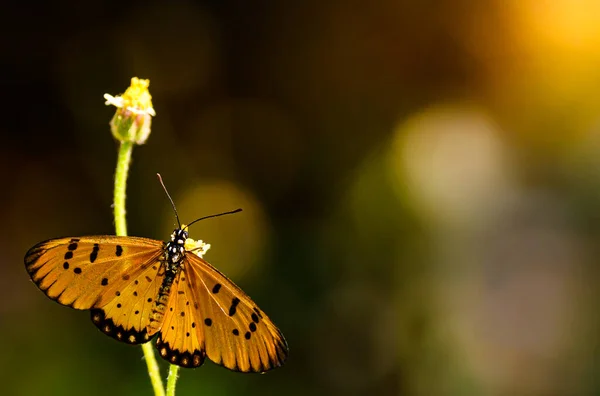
138,288
174,253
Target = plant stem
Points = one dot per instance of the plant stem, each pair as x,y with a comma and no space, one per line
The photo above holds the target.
121,173
172,379
123,160
153,370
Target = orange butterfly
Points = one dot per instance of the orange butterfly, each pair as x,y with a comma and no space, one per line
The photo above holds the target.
137,288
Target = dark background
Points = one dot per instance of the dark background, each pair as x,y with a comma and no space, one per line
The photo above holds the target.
420,183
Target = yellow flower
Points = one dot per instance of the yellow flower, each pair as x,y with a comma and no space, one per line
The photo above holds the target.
133,117
198,247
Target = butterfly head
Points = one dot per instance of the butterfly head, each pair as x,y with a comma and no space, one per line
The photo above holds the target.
176,248
179,236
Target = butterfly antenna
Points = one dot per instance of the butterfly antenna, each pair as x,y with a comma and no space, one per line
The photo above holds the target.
215,215
170,199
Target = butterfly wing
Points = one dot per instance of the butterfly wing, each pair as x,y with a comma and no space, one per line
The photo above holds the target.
227,324
179,341
116,277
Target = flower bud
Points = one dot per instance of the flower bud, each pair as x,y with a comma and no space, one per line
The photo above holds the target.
132,120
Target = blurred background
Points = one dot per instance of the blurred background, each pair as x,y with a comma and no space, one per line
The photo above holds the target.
420,184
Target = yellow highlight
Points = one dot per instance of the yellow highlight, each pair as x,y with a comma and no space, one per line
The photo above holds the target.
564,24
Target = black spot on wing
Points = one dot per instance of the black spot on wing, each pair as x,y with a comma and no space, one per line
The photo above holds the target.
185,359
119,251
94,254
216,288
234,303
108,327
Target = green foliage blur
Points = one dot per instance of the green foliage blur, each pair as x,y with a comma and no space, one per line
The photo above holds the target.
420,184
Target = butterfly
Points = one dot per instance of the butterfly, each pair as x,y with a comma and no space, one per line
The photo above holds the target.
138,288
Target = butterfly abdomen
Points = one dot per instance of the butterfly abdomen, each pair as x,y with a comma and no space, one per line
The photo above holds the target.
160,306
174,253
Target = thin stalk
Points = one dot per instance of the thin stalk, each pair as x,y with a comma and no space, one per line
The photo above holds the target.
121,173
172,379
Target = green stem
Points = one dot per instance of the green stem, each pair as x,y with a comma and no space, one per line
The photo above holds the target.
153,370
123,160
121,173
172,379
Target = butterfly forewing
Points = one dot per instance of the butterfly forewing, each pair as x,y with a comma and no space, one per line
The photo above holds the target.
236,333
116,277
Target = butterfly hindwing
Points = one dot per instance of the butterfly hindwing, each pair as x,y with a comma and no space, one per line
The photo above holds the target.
127,316
116,277
179,341
235,332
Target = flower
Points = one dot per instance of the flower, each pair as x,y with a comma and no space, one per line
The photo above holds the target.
198,247
132,120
